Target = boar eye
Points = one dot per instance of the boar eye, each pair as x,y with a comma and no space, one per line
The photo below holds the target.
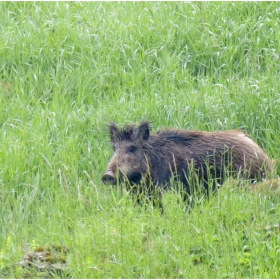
131,149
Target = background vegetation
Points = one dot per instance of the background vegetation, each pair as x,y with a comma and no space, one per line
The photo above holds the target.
67,69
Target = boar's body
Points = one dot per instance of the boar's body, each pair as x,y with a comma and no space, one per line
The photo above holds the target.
154,159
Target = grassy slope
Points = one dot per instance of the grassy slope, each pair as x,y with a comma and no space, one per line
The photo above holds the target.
67,69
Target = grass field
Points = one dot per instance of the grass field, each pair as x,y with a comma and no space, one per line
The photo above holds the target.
67,69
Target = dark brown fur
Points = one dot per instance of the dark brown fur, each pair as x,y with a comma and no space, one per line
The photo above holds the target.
191,157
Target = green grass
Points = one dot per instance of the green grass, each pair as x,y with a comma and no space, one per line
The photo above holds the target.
67,69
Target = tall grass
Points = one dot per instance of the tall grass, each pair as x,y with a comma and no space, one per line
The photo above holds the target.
69,68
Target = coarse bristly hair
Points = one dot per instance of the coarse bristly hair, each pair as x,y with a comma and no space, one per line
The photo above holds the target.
178,152
127,132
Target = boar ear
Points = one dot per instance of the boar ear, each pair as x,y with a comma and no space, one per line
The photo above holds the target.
113,130
144,131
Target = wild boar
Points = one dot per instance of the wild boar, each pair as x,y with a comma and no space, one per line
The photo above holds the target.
190,157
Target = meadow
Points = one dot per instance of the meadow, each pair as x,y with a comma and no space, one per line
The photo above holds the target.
69,68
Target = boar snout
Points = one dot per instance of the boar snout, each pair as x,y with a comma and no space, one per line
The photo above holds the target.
109,178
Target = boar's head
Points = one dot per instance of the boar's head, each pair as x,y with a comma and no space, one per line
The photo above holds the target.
129,161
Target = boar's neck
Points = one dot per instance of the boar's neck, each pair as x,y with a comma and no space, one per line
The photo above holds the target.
159,153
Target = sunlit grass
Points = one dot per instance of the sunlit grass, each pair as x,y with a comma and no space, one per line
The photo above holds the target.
68,69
